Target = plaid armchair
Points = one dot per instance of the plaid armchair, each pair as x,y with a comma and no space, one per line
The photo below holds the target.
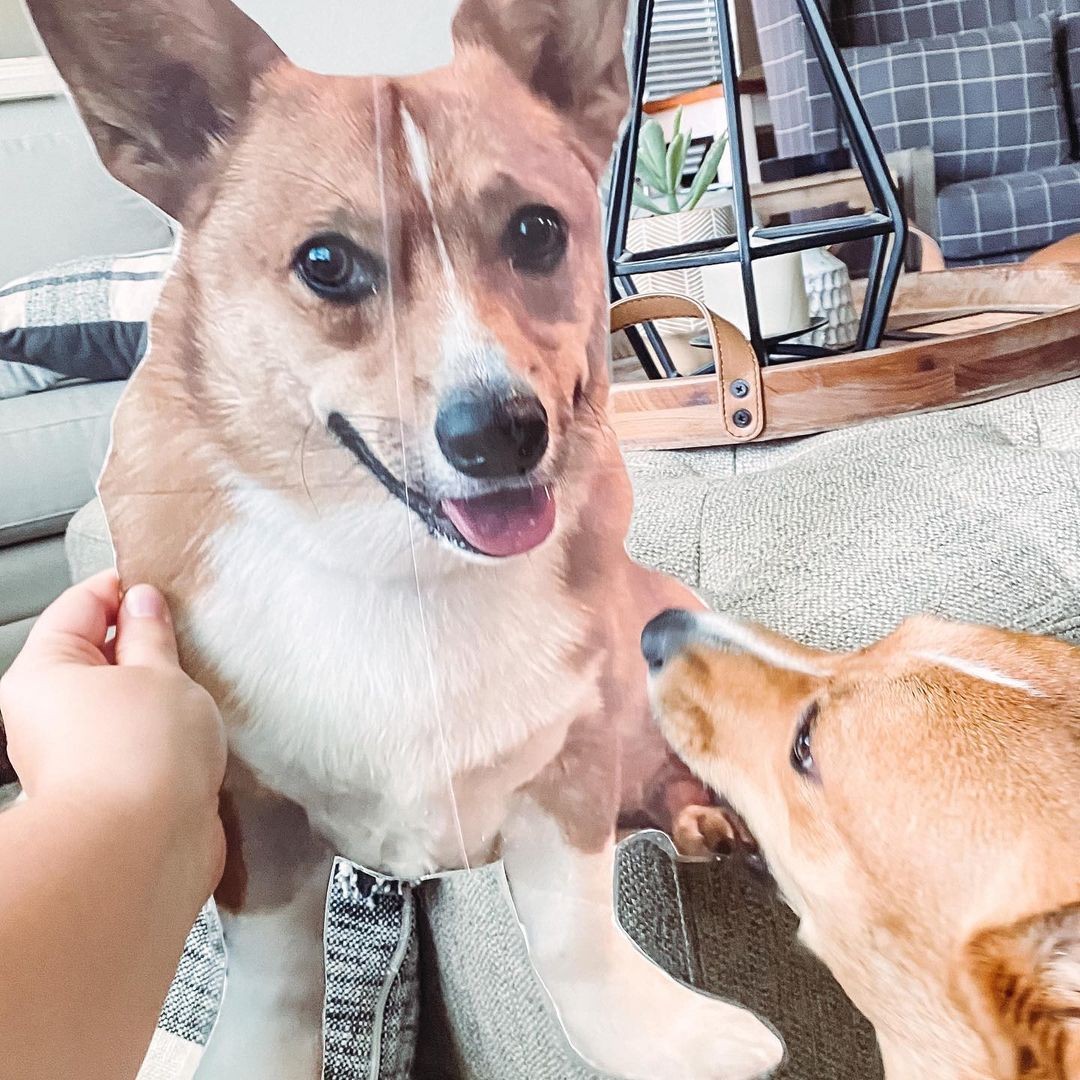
992,87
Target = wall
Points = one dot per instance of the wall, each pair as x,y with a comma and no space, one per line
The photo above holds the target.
345,37
60,204
16,36
358,37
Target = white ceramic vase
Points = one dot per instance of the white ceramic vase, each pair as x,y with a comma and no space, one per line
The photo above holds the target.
828,289
781,293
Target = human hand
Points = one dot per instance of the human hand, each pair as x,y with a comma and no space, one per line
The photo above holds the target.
117,730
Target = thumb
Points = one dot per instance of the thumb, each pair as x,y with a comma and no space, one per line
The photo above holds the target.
144,630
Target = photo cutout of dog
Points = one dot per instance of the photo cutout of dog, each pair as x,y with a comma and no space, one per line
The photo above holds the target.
367,461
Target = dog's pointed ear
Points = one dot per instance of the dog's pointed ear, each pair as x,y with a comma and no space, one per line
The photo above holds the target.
1024,981
158,83
569,52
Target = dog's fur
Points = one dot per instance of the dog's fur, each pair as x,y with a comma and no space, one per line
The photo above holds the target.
932,850
388,696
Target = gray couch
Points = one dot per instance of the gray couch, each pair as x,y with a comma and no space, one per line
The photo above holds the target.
992,86
59,205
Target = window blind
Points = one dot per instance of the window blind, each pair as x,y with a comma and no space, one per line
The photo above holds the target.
684,48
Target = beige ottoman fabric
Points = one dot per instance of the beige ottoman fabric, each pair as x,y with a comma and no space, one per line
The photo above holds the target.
973,514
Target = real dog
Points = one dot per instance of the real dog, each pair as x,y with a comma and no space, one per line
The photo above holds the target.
366,459
916,802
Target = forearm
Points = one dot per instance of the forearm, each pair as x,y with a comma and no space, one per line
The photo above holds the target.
91,931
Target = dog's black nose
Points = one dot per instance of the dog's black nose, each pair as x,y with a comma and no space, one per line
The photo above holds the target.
665,636
492,437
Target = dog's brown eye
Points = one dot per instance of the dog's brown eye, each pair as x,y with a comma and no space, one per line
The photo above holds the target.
334,268
535,240
802,755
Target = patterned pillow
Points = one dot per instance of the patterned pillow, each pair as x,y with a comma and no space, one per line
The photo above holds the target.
987,101
880,22
80,320
1070,17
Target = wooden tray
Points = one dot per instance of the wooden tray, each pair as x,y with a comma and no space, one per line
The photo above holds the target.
802,398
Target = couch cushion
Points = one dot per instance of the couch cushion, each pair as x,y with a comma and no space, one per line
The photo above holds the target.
12,638
1071,32
84,320
972,514
882,22
89,549
783,50
52,446
986,101
58,177
18,379
34,574
1004,214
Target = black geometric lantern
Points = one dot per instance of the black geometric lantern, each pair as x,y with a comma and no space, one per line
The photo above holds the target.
885,222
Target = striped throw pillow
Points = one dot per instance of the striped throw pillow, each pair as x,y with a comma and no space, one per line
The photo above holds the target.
84,320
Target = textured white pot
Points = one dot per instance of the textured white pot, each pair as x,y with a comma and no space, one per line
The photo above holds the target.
711,219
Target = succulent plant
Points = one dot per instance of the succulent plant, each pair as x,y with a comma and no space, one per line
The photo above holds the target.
660,165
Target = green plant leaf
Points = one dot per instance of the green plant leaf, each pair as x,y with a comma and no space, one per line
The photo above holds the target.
649,177
652,148
706,174
676,161
677,123
643,200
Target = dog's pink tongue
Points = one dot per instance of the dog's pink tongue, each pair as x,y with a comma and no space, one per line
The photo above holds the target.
506,523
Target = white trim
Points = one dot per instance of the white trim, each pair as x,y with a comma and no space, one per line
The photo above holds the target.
27,77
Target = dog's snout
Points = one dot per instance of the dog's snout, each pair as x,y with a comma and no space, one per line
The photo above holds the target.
492,437
665,636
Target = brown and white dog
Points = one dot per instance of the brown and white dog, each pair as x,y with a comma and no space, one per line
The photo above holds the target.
916,802
367,460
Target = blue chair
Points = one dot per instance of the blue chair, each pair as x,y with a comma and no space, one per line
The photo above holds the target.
991,87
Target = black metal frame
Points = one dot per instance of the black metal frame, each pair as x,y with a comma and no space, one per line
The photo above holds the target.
884,221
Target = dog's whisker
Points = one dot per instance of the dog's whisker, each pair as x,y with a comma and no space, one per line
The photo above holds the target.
303,470
599,417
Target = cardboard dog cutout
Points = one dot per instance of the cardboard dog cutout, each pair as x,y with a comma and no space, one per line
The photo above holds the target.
367,461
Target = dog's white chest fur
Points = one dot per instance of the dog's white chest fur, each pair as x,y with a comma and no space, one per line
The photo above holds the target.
360,694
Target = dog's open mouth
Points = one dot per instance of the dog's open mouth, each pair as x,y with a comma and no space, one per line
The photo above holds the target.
719,830
740,841
499,524
505,523
734,833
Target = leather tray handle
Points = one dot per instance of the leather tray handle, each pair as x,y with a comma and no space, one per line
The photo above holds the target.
737,368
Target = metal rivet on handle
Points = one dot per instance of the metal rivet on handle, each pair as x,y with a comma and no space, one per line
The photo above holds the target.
740,388
742,418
